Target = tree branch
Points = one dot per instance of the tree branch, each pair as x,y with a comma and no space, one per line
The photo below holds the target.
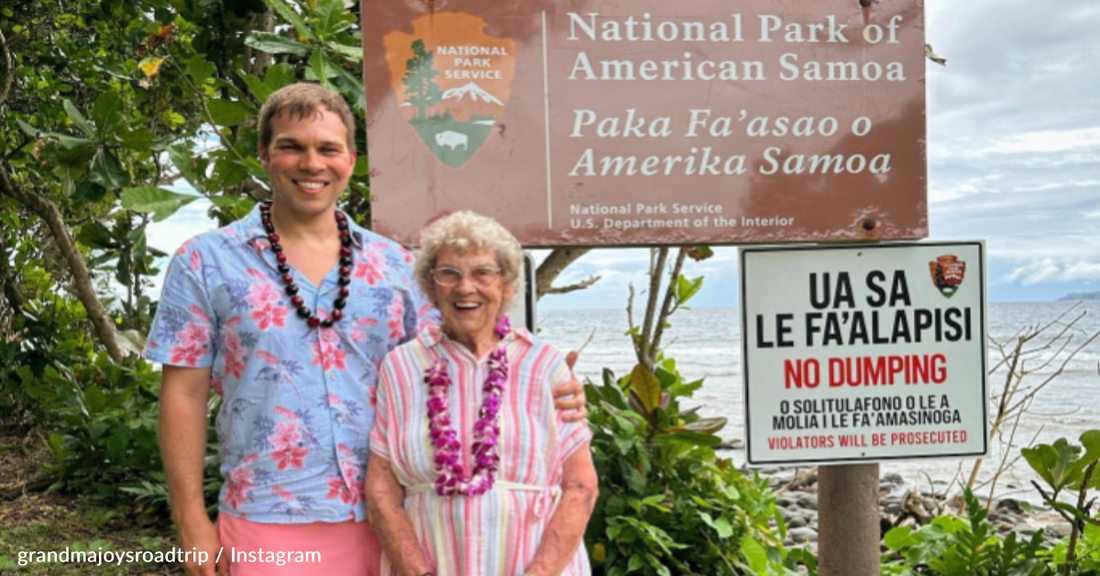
9,68
7,282
666,307
552,266
264,23
82,278
646,354
573,287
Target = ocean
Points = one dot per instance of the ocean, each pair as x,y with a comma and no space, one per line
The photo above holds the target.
706,343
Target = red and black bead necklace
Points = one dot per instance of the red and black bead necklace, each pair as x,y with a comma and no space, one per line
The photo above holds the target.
292,289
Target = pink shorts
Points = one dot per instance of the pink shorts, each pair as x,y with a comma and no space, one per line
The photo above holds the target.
343,549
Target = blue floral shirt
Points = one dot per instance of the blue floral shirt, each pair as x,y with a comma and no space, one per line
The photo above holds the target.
297,402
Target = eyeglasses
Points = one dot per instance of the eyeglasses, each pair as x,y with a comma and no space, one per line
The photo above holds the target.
448,277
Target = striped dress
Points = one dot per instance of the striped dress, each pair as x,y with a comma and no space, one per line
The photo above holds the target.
498,532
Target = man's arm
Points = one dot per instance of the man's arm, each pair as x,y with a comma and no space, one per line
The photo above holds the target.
566,528
183,418
385,498
569,397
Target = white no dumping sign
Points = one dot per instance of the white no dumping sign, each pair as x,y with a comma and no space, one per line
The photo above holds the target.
864,353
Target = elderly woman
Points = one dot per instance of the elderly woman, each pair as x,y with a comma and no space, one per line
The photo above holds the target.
474,473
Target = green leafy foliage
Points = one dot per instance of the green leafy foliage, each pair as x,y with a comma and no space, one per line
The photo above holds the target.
668,504
113,104
951,546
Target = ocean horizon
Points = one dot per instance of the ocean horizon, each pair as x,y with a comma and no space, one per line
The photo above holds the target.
706,343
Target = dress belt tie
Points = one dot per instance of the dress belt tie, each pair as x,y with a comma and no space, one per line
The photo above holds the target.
545,505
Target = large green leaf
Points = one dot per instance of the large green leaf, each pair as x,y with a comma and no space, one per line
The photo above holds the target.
95,235
229,112
184,161
276,44
107,113
362,166
123,272
686,288
321,68
703,426
75,160
280,75
140,140
353,53
688,439
646,385
108,171
330,19
287,13
199,69
754,554
78,119
160,202
228,173
27,128
1054,463
900,537
260,91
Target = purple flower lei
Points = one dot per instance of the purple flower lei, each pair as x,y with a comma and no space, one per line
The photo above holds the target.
452,479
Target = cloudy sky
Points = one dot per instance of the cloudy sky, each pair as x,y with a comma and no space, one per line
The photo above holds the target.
1013,152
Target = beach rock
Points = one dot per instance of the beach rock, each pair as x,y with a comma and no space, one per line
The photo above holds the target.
894,478
1059,530
801,535
807,501
797,522
1008,505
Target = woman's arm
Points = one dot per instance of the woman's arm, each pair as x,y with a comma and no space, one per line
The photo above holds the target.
385,498
579,487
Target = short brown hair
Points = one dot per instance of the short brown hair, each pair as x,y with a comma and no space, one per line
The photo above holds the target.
304,99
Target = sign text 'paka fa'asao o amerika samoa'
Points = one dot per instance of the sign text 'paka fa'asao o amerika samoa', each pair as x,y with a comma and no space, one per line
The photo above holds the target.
621,123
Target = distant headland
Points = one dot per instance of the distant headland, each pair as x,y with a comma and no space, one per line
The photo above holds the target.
1075,296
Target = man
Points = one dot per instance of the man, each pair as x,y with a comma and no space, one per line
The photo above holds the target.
287,314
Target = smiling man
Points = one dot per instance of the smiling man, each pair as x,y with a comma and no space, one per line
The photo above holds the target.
286,314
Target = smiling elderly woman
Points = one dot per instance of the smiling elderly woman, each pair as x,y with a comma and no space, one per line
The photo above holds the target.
474,473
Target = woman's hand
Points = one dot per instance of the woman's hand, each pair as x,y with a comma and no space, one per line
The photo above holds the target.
569,397
385,499
565,531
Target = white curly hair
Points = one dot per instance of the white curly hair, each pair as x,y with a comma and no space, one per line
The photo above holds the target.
466,232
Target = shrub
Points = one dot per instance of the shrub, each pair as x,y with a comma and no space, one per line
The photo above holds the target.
951,546
668,504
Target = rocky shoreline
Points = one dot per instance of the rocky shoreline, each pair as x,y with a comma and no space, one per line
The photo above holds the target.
900,506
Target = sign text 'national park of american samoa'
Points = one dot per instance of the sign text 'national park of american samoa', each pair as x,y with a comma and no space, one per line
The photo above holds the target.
649,122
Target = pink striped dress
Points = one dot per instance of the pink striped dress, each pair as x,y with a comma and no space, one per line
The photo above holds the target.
498,532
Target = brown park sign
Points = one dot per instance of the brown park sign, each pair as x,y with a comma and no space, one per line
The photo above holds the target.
598,122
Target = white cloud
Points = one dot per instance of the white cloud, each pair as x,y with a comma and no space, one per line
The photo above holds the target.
1046,270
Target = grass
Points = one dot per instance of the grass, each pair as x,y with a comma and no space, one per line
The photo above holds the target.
33,520
45,522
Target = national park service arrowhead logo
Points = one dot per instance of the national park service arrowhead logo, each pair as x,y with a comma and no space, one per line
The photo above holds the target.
947,274
452,81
